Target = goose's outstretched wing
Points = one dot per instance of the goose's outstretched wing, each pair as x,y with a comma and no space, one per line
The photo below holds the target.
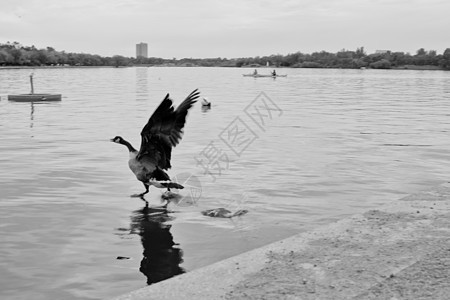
164,130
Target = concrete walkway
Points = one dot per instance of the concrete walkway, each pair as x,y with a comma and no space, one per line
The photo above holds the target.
400,251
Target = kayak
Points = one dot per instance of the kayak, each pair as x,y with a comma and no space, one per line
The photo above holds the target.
262,75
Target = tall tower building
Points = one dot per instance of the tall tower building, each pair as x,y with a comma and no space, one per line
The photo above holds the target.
141,50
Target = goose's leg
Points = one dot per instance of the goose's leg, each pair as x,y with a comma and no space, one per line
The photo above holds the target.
147,186
141,195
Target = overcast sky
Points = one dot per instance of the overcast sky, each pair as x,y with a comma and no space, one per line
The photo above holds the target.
226,28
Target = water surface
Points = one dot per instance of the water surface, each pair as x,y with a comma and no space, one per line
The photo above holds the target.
336,142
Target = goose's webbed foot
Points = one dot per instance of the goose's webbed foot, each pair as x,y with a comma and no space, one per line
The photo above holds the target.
141,195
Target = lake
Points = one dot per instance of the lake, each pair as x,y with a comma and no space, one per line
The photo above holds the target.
296,152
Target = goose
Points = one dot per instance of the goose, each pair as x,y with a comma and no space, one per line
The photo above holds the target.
163,131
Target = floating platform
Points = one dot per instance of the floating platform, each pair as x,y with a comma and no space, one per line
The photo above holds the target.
34,97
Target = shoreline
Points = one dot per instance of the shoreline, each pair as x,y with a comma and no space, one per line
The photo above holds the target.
405,67
51,67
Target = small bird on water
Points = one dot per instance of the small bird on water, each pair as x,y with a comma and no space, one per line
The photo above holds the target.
163,131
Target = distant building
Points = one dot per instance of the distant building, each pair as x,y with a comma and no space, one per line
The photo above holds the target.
142,50
382,51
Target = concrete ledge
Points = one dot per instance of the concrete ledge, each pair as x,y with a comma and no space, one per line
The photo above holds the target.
399,251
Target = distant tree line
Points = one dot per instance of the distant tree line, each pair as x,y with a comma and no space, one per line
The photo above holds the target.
355,59
14,54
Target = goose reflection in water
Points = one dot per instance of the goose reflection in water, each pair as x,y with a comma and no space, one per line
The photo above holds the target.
161,257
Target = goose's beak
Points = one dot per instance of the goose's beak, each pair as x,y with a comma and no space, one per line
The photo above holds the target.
111,140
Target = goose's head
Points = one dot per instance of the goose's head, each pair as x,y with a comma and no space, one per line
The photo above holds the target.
118,140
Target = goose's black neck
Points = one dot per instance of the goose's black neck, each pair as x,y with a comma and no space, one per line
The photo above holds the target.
129,146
